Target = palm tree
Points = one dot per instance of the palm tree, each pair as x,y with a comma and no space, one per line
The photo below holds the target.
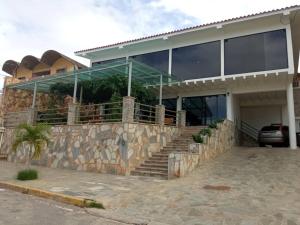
35,136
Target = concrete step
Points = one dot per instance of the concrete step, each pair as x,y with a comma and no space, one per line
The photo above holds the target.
150,173
153,169
3,156
157,161
155,165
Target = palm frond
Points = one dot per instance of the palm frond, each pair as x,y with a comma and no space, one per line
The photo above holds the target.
36,136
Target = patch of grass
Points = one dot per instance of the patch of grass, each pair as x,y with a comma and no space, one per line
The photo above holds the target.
93,204
28,174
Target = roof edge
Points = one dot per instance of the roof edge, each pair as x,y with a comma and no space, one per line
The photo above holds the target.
174,32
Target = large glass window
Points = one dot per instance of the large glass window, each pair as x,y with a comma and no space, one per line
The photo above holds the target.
197,61
108,61
257,52
204,110
170,103
158,60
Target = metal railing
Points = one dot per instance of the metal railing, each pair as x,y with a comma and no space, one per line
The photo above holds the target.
170,117
249,130
13,119
52,116
144,113
99,113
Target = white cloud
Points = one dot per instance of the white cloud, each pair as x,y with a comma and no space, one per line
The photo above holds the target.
215,10
33,26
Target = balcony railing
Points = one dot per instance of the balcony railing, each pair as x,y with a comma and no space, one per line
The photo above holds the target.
120,111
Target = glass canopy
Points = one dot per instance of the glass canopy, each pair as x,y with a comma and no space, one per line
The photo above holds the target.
130,68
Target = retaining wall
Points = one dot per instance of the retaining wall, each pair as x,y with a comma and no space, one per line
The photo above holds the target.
114,148
221,140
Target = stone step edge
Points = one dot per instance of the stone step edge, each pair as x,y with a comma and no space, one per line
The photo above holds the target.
67,199
149,172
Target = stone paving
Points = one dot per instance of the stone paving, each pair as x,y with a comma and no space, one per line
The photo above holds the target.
264,190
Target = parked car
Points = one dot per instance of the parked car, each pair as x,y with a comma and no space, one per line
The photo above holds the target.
275,135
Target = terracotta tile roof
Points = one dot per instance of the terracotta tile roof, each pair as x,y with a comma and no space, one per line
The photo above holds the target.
189,28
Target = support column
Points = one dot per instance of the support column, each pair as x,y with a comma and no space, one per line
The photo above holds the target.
181,118
75,89
179,103
229,106
73,113
129,78
128,109
160,89
160,114
291,116
31,116
34,95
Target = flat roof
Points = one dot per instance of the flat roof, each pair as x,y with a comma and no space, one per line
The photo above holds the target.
142,73
202,26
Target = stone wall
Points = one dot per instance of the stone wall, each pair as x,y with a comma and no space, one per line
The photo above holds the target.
114,148
19,100
221,140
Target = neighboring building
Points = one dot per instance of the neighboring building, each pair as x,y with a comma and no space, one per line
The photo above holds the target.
32,68
241,69
51,62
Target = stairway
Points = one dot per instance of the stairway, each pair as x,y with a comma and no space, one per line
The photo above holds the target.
157,164
3,156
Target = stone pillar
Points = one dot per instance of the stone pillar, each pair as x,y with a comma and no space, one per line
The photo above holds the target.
160,114
31,116
291,116
181,118
128,109
73,113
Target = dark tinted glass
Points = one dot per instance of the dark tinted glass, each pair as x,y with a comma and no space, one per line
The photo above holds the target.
204,110
257,52
108,61
158,60
170,103
197,61
271,128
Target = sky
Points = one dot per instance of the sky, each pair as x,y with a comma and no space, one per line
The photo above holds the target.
34,26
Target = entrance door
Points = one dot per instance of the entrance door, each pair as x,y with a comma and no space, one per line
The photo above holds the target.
204,110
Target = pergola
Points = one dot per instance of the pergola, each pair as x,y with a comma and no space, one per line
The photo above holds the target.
146,75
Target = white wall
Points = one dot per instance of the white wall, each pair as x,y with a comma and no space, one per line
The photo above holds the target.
259,116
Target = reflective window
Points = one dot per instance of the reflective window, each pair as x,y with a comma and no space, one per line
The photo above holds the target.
197,61
257,52
204,110
108,61
170,103
158,60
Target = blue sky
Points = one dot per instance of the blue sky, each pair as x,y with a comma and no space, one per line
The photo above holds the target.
33,26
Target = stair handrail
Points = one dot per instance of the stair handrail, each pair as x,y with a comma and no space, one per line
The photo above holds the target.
249,130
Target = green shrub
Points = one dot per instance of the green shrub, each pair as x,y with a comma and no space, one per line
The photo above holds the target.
220,121
213,125
28,174
205,131
198,138
93,204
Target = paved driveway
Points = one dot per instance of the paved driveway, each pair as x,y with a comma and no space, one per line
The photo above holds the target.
264,190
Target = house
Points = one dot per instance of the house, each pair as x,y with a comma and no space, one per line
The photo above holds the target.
241,69
30,67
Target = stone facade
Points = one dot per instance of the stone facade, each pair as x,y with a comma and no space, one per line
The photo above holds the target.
221,140
114,148
20,100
